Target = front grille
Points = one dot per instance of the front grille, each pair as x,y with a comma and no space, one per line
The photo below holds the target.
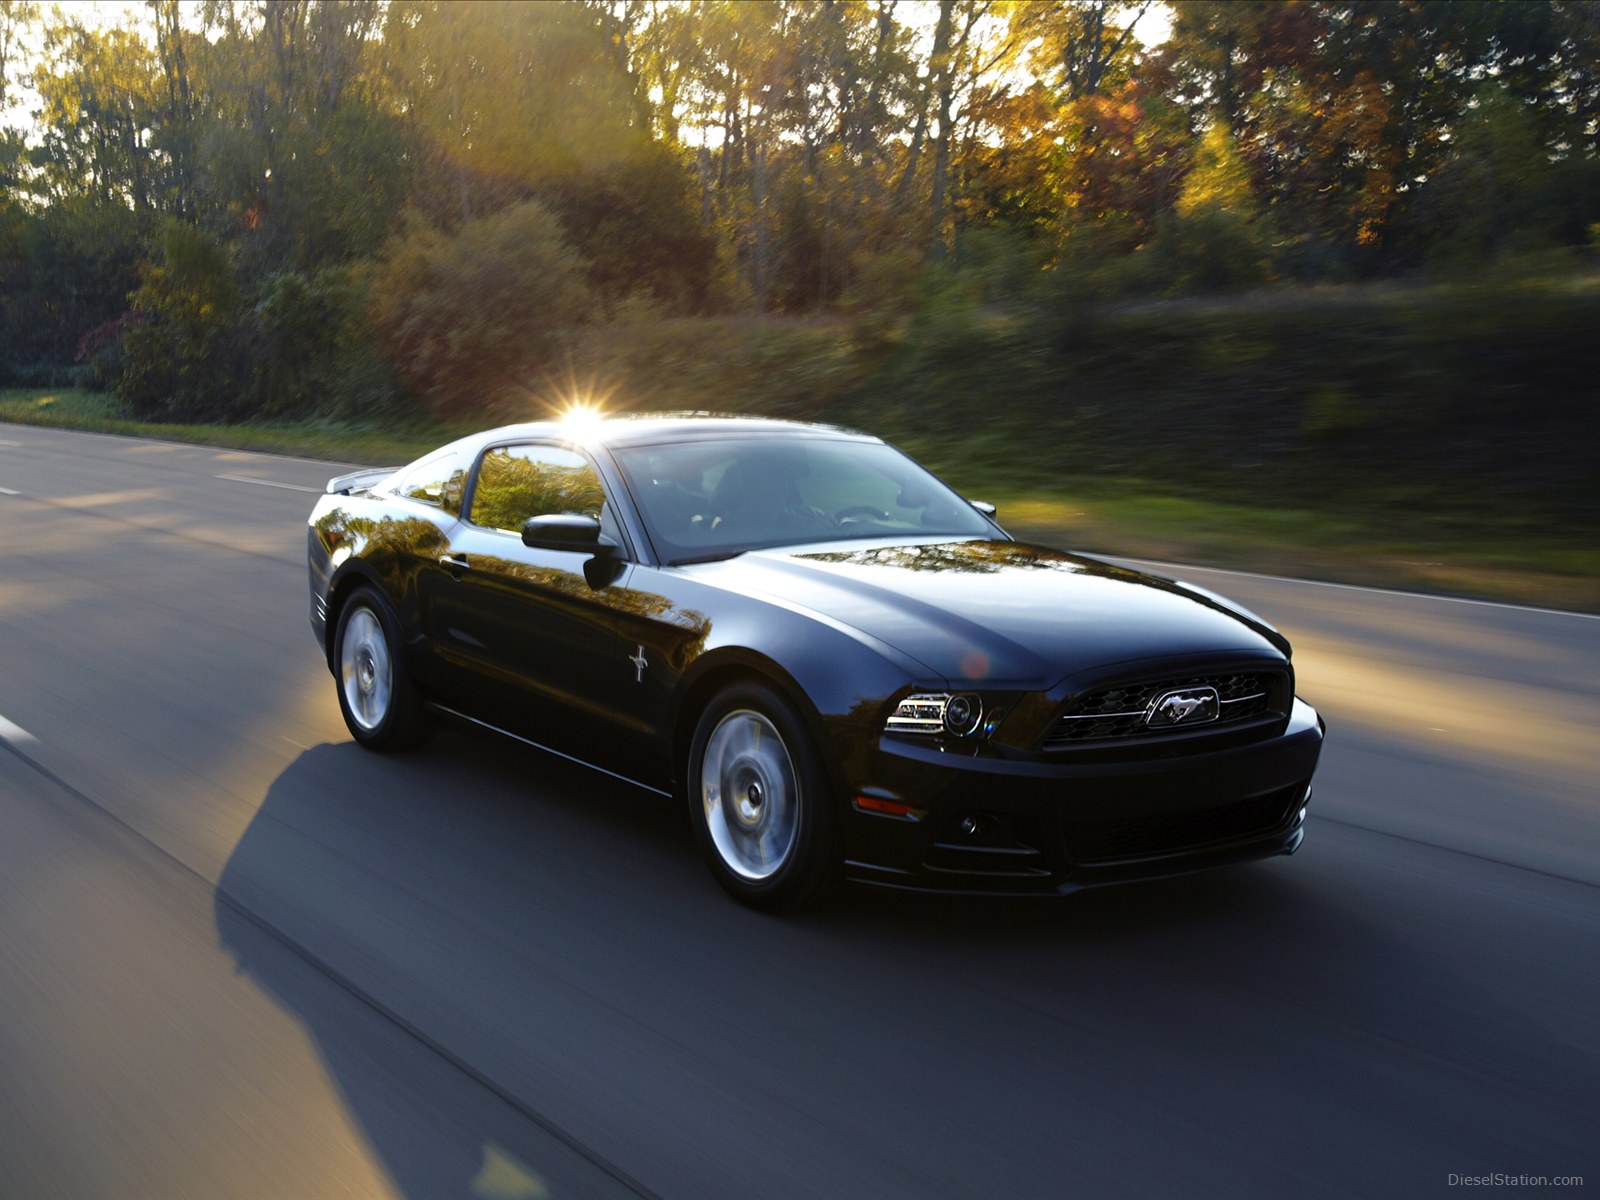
1172,833
1119,712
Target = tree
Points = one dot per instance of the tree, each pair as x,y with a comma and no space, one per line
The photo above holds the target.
307,155
1493,189
1084,141
502,97
99,95
1217,238
15,17
1345,110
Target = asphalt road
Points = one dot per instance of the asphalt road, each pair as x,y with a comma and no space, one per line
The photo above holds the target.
241,957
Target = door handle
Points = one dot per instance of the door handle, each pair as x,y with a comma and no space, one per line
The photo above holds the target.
454,562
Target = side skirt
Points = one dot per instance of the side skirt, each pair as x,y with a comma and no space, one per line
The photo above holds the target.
517,737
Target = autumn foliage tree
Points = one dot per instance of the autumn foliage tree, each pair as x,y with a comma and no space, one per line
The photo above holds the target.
362,170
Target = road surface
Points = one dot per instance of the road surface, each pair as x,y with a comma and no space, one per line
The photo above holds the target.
241,957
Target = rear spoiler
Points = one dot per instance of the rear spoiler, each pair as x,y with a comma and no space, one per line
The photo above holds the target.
345,484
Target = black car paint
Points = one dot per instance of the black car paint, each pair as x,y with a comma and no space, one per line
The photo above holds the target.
609,658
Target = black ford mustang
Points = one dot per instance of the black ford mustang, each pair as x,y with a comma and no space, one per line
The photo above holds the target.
840,666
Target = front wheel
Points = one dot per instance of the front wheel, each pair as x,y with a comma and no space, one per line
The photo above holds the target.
380,707
758,800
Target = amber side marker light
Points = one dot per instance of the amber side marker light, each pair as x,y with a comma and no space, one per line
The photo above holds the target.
889,808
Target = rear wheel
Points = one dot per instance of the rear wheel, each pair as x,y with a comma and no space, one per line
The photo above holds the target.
379,704
758,800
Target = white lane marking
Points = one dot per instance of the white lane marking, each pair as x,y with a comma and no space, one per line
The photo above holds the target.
292,487
1355,587
3,442
16,734
9,492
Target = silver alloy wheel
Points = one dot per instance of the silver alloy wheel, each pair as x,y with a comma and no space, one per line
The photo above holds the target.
365,671
751,798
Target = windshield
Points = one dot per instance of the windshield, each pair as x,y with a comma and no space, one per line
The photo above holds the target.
710,499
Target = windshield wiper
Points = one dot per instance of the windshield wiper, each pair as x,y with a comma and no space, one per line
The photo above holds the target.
719,556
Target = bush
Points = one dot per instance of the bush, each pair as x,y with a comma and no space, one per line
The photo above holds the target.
471,320
1211,250
638,232
884,282
313,352
45,375
1217,238
188,360
773,366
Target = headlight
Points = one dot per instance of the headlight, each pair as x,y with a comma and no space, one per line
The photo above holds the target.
963,715
936,713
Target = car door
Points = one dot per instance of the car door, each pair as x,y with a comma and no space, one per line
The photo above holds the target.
426,508
660,630
527,638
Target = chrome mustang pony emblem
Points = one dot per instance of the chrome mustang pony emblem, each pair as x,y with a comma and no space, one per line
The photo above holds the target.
1183,706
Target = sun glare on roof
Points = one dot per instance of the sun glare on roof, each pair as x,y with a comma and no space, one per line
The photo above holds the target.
581,419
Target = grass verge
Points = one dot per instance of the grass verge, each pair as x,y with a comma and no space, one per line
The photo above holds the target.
1307,544
96,412
1488,555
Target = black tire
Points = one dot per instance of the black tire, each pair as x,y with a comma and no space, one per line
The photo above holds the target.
759,801
376,697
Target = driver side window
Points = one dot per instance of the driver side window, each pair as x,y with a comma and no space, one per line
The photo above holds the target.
516,483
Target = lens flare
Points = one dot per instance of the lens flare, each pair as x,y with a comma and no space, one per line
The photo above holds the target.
580,420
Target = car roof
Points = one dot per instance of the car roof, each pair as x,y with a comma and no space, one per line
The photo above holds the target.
642,429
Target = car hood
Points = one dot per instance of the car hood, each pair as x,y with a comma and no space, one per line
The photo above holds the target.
1002,613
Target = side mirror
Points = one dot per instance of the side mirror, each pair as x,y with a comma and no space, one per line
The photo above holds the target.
984,507
566,531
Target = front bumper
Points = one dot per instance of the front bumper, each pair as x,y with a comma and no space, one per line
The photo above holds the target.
995,825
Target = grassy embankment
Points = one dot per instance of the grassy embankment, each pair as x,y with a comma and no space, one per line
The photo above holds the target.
1440,439
99,412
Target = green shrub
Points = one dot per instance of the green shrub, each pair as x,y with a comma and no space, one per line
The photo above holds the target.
775,366
472,320
189,360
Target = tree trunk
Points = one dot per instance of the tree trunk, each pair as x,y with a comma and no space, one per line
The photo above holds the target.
938,64
942,67
180,105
